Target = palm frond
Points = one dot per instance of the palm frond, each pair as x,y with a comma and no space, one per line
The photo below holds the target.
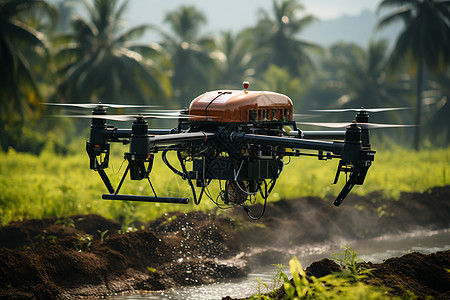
132,33
403,14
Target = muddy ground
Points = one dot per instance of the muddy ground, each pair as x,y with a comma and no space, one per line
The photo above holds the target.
89,256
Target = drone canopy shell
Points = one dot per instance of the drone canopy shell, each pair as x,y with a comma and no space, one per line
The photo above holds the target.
241,106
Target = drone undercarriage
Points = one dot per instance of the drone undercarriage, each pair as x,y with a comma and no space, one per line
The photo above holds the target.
245,158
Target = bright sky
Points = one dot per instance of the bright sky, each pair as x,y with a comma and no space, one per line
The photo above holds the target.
238,14
329,9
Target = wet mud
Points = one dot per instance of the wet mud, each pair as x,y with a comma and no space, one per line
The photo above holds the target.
90,256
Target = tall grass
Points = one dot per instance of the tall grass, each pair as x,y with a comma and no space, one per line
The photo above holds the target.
36,186
393,171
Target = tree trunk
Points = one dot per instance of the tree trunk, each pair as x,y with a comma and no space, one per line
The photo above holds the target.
418,106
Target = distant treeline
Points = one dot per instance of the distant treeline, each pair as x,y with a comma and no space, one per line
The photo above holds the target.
49,53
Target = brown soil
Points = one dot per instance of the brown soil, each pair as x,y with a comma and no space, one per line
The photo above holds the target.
68,258
423,275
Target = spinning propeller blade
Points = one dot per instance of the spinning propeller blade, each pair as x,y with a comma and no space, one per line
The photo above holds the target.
164,110
304,116
179,113
362,125
123,117
94,105
166,113
361,109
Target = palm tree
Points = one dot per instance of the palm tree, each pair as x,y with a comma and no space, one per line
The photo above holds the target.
100,63
277,35
192,62
236,58
361,79
281,81
437,105
425,40
21,48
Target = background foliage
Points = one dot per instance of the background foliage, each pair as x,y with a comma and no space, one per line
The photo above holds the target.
81,52
51,53
51,184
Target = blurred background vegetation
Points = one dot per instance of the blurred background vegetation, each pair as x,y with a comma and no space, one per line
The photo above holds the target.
72,51
76,52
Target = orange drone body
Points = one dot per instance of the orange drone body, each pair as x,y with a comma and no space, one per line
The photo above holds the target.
241,106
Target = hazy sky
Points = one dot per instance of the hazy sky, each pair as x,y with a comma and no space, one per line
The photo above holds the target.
328,9
236,14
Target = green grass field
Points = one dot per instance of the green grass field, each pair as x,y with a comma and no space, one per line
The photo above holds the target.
55,185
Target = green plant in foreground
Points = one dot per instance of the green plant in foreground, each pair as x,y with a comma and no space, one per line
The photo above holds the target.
260,295
102,235
83,242
42,238
350,263
300,287
67,222
278,278
128,227
332,286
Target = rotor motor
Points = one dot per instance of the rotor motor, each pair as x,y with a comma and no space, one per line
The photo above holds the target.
139,149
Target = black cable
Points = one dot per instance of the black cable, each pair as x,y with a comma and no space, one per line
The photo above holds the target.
267,192
210,102
247,210
166,162
120,167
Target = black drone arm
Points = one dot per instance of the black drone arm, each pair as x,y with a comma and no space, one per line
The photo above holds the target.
318,135
356,156
295,143
181,138
114,134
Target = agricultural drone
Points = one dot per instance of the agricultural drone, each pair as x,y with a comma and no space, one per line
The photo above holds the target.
237,137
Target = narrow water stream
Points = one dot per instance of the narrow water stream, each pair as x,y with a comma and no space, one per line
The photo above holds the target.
374,250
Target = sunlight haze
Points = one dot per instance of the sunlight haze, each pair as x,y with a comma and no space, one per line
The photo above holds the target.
235,15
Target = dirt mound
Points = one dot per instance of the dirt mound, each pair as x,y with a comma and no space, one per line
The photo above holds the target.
32,233
424,275
92,256
81,261
311,220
